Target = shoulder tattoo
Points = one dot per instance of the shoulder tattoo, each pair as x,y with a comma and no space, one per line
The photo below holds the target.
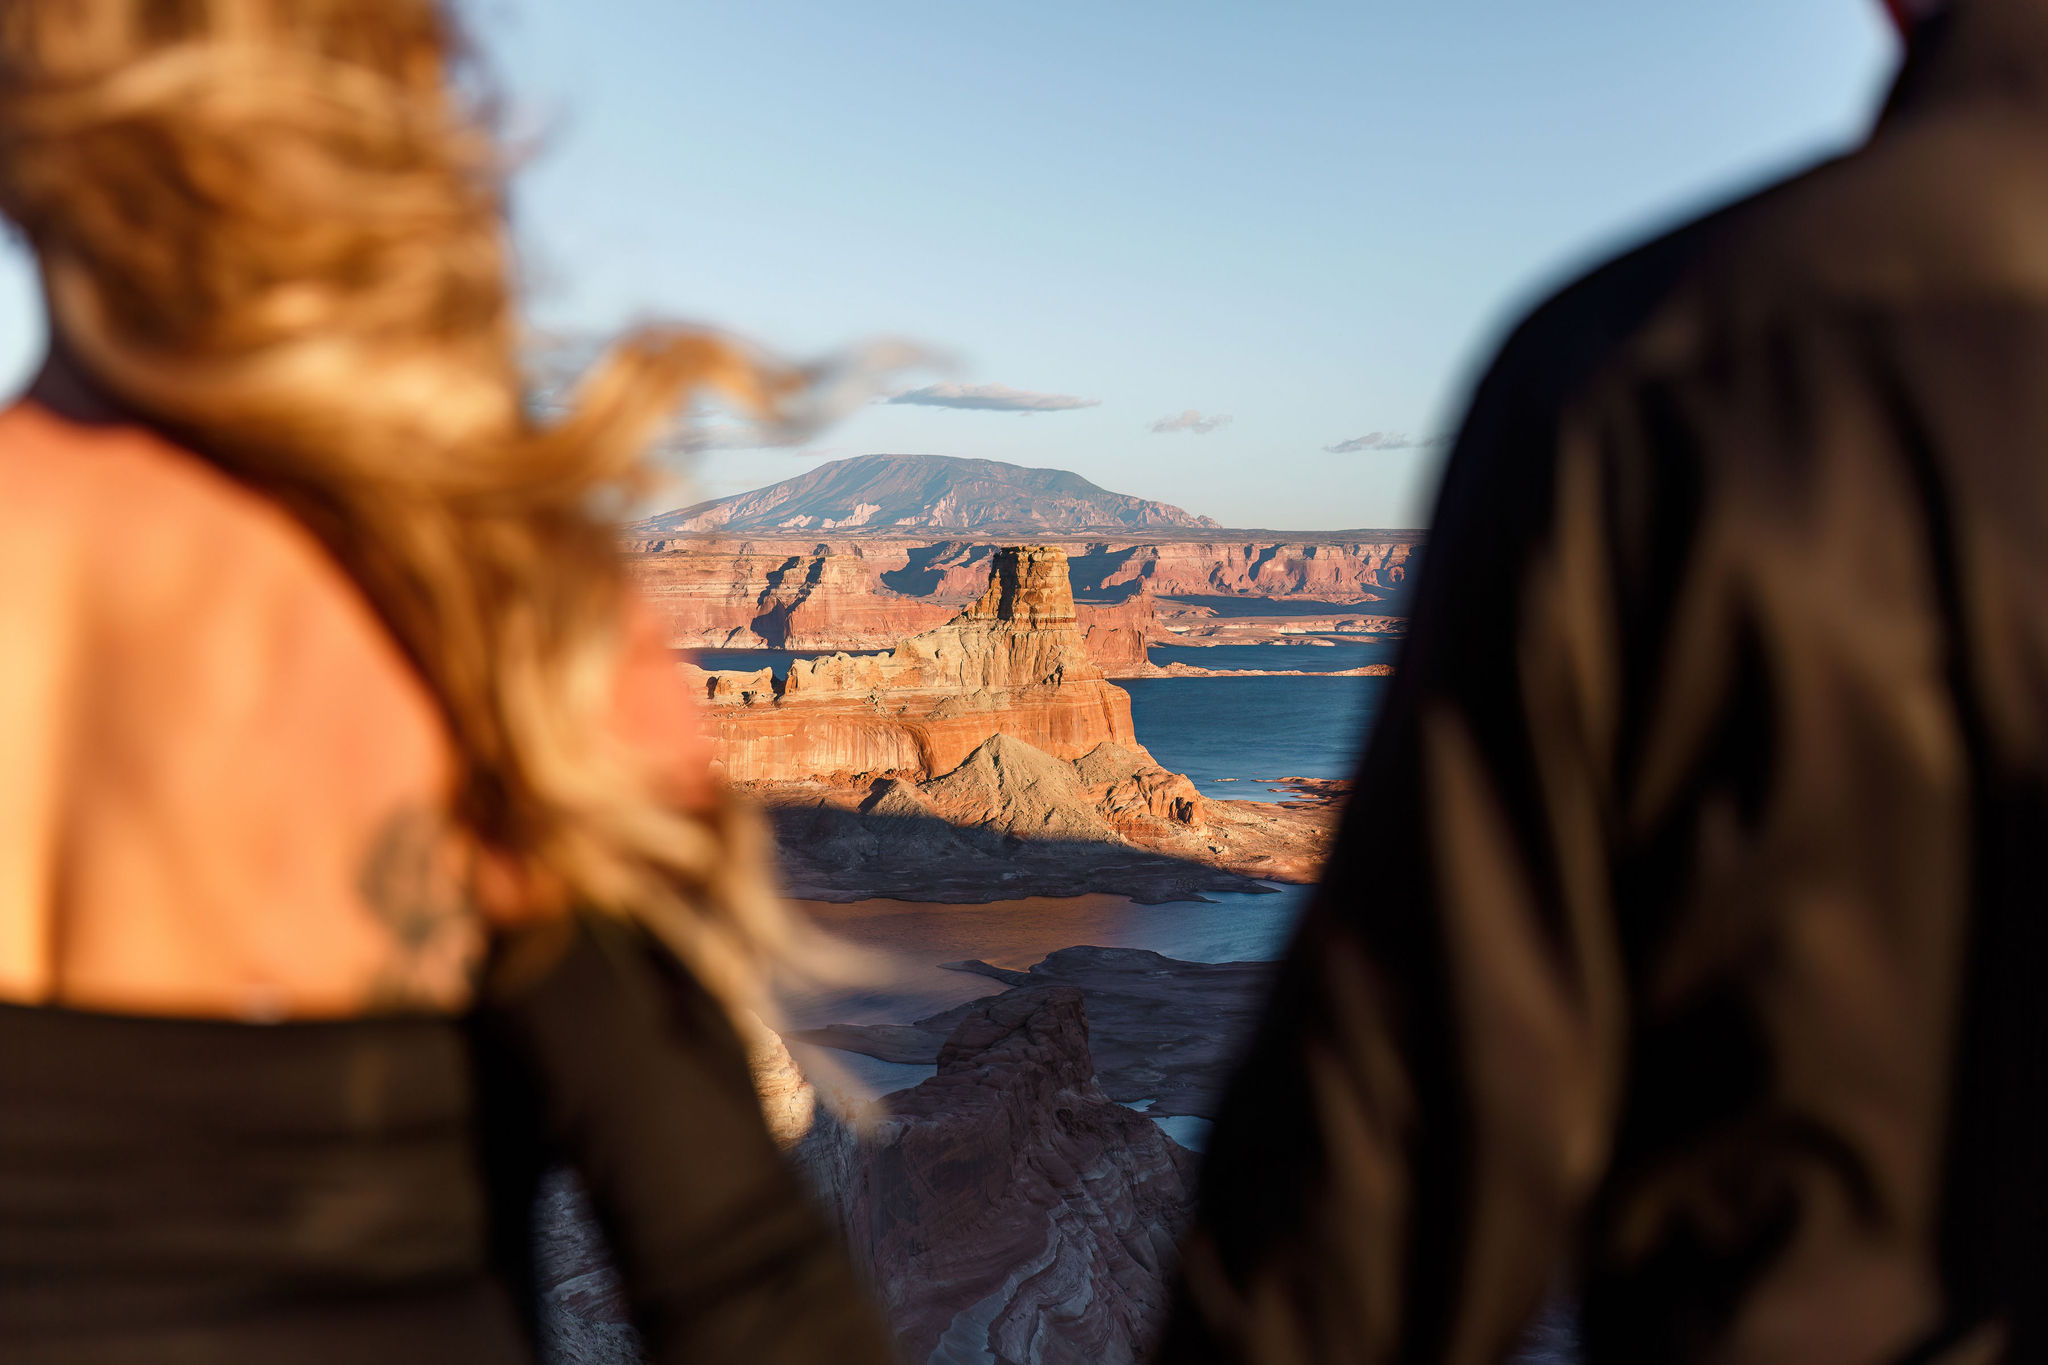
412,880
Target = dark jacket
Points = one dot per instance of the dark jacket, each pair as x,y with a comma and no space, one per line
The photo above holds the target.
1684,949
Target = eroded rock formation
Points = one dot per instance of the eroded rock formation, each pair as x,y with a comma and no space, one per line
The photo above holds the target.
748,595
1009,1210
1013,821
984,758
1014,662
857,594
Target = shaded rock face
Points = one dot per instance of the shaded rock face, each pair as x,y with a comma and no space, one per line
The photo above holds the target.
584,1318
1346,570
1013,663
833,853
784,597
1012,1212
1028,586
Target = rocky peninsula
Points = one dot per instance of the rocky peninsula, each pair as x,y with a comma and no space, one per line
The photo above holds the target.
986,758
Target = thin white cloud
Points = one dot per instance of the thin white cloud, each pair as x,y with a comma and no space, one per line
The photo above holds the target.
696,438
1386,440
1191,422
991,398
840,383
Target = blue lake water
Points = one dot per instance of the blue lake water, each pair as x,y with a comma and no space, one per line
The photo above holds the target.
1225,733
1306,657
1268,608
911,940
908,943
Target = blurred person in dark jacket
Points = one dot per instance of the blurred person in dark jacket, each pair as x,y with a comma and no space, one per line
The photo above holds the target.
357,851
1685,945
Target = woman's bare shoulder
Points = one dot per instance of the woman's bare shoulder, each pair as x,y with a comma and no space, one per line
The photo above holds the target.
113,491
254,732
152,540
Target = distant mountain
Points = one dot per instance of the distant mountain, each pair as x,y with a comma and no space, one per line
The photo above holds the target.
925,493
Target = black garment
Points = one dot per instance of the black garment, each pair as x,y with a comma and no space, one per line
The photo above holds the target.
612,1058
1684,940
219,1193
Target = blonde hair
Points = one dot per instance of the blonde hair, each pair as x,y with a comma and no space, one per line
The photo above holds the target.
276,229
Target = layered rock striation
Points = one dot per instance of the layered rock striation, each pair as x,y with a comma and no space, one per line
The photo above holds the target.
986,758
868,594
1007,1209
1014,662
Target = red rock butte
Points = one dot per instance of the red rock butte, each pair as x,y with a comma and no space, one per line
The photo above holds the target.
1015,662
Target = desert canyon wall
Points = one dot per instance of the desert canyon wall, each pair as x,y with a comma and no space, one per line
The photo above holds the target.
859,593
986,757
1014,662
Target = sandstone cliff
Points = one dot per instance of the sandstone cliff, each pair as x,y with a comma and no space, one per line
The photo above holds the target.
1328,571
1014,662
1008,1210
984,758
868,594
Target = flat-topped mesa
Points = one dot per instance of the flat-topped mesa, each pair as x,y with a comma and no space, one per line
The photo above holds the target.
1014,663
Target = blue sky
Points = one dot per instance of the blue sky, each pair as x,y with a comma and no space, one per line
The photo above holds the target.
1312,218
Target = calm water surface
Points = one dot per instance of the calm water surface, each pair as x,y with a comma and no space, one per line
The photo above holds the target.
1269,609
1225,733
1307,657
911,941
908,942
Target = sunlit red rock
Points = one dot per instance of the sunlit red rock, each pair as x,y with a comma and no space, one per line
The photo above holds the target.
1014,662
